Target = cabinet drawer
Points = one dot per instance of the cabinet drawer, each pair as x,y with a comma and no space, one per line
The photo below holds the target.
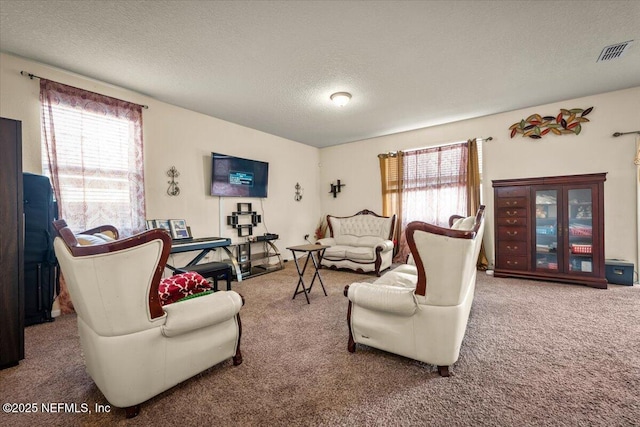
512,212
515,221
512,191
511,248
512,233
512,202
512,262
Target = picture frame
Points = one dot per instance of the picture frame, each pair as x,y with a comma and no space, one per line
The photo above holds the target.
179,229
163,223
151,224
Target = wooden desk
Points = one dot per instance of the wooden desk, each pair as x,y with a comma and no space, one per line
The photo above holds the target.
204,245
310,250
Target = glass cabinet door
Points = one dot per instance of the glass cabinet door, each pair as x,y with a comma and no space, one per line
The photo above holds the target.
580,229
546,236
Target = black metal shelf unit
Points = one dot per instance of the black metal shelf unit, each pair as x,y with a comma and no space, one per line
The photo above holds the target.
244,229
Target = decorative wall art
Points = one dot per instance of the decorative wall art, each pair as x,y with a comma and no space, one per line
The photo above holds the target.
173,189
336,188
566,122
298,194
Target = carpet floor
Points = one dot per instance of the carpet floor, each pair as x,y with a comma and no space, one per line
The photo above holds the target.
535,354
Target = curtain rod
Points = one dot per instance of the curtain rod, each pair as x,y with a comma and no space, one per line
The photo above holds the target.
393,153
33,76
489,138
617,134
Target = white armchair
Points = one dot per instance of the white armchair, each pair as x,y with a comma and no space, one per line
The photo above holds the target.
420,311
134,348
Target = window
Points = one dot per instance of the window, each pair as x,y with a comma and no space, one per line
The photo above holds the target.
435,184
429,185
92,151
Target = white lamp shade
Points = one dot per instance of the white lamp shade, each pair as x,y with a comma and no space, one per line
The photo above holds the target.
341,98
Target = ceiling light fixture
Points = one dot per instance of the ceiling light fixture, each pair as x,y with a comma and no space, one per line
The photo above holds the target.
341,98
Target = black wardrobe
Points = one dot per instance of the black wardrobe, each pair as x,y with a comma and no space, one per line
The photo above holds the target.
29,278
40,266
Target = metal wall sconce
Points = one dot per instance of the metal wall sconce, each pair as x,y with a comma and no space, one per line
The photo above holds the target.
336,188
298,195
173,189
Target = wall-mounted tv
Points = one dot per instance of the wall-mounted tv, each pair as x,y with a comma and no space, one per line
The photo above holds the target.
237,177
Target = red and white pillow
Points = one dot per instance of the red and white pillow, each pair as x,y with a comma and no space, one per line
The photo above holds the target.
182,285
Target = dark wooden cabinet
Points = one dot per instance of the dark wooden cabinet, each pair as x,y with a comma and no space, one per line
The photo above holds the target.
11,245
551,228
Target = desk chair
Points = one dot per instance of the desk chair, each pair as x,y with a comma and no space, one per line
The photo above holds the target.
214,270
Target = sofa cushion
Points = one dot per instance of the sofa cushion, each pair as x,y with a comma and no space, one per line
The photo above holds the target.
464,223
398,278
107,236
406,268
359,241
388,299
335,252
347,240
90,239
369,241
358,253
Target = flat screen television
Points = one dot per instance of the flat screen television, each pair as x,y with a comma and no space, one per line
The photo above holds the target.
237,177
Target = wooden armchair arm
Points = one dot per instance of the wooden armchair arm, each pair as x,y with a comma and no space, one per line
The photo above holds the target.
78,250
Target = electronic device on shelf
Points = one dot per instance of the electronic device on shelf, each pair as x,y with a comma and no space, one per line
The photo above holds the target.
267,236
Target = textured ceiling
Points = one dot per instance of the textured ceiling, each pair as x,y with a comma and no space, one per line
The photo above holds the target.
271,65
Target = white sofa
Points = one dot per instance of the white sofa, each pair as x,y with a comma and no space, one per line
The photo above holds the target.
134,348
421,311
361,242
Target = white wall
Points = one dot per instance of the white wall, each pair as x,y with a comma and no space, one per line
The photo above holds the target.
177,137
594,150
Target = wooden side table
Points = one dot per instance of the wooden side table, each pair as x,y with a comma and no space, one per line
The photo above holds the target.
312,252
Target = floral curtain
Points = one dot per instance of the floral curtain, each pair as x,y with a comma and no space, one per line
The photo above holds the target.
434,187
93,153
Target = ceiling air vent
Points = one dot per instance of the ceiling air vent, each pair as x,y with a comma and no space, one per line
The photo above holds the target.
614,51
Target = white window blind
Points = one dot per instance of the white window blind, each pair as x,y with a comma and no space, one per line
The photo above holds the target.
98,160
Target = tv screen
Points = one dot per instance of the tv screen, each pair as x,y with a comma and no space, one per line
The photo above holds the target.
237,177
